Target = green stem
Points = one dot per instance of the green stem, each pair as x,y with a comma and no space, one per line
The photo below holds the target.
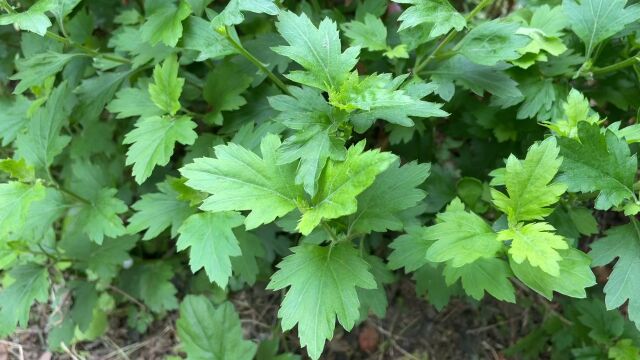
68,192
419,65
256,62
332,235
617,66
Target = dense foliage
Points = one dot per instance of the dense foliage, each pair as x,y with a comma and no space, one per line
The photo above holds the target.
159,154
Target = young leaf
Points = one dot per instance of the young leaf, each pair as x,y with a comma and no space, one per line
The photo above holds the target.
317,50
34,19
537,243
574,275
167,87
437,13
487,274
15,200
622,242
460,237
31,284
597,20
212,243
341,182
218,338
42,141
322,285
394,190
99,218
153,141
492,42
130,102
164,23
599,162
157,211
528,184
238,179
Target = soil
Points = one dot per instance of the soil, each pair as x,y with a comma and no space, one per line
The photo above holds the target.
412,329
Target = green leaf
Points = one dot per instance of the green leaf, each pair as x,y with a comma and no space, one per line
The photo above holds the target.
232,13
167,87
103,260
574,275
164,23
212,243
209,44
317,50
624,349
155,212
34,19
597,20
439,14
622,242
410,250
217,338
370,34
576,109
13,118
396,189
131,102
223,89
316,138
598,162
30,284
130,40
238,179
537,243
99,218
375,300
42,141
36,69
489,275
94,93
18,169
492,42
341,182
460,237
528,182
153,141
15,200
151,283
322,285
245,266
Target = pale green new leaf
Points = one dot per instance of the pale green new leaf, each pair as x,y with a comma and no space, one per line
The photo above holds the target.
341,182
598,162
394,190
537,243
99,218
460,237
36,69
130,102
157,211
232,13
622,242
164,23
492,42
31,284
167,86
153,140
597,20
489,275
317,50
574,275
33,19
528,182
212,243
15,200
42,141
576,109
322,285
439,14
238,179
219,337
370,33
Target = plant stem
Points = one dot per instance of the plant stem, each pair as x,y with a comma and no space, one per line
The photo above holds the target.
332,235
419,65
617,66
55,184
256,62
